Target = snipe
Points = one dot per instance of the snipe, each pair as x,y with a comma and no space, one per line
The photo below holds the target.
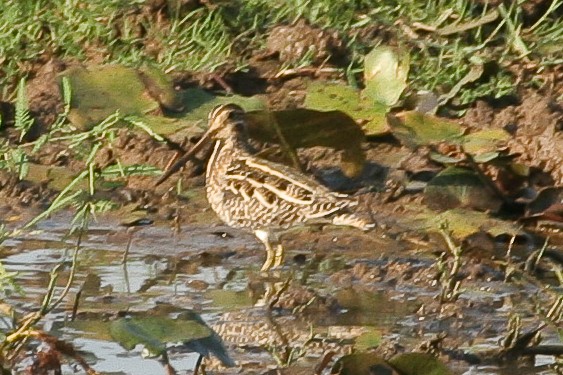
259,195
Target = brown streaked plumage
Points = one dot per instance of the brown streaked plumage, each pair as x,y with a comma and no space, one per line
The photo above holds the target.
259,195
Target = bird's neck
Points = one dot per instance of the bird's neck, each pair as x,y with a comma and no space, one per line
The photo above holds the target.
238,143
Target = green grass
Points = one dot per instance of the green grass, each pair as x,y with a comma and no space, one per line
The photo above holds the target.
116,31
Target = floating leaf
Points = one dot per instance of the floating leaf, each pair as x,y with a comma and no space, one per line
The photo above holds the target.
370,339
463,223
362,364
419,364
100,91
455,187
385,72
154,332
129,333
307,128
416,129
325,97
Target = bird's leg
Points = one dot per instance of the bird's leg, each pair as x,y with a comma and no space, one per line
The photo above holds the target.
278,250
274,254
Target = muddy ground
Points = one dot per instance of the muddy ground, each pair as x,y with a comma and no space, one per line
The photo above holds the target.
389,278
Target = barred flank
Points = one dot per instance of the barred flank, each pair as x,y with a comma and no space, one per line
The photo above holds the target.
353,221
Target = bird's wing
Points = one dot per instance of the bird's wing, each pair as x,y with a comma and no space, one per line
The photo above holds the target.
274,184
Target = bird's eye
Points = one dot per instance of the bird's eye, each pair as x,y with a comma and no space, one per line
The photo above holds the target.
239,126
235,115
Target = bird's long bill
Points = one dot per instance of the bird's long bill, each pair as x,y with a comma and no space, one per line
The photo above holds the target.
184,159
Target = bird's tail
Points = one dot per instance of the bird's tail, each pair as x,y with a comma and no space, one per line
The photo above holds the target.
353,220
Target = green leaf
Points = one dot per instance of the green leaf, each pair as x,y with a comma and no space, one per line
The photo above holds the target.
463,223
385,71
198,103
415,129
455,187
101,91
367,340
22,121
154,332
161,88
297,128
485,141
362,364
419,364
325,97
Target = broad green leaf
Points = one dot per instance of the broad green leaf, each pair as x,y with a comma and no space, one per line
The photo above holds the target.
444,159
307,128
174,125
484,141
385,72
330,97
463,223
198,103
459,187
160,87
58,177
100,91
154,332
419,364
417,129
367,340
362,364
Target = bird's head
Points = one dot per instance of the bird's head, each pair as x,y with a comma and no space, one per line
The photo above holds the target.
226,122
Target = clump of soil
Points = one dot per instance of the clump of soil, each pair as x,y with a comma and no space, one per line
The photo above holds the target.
295,42
45,97
21,193
536,126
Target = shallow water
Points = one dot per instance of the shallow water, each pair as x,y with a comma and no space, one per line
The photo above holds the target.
214,274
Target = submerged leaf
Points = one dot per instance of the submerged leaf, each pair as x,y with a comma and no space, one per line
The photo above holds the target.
325,97
415,129
385,72
419,364
362,364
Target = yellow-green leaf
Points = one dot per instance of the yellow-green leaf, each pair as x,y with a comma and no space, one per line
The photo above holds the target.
385,71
